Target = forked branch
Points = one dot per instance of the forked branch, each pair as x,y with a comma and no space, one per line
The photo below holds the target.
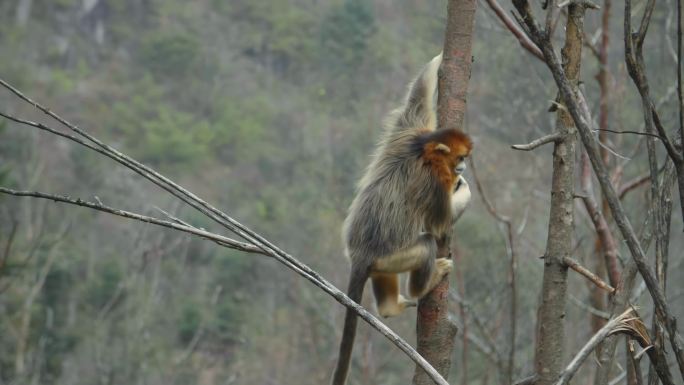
87,140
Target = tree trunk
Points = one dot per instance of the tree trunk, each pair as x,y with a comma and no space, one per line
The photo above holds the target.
550,348
435,332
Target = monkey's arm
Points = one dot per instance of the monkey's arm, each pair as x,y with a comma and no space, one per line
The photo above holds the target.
460,198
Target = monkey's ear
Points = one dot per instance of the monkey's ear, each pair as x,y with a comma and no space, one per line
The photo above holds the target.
443,148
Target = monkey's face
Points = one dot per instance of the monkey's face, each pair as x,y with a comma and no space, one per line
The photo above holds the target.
447,150
456,149
460,165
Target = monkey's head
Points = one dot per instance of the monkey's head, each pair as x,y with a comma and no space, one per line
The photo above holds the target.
445,151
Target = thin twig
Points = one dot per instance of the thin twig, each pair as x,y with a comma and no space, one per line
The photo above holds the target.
629,132
551,138
221,240
524,41
575,265
484,347
611,254
594,311
635,183
591,45
479,323
527,380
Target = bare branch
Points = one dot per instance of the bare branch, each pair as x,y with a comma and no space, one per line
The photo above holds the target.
538,142
219,239
672,151
629,132
589,141
527,380
227,242
592,48
575,265
635,67
623,295
633,362
645,22
238,228
479,323
611,253
524,41
626,322
594,311
633,184
484,347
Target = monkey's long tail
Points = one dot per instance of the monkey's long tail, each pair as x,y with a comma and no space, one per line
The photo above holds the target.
357,281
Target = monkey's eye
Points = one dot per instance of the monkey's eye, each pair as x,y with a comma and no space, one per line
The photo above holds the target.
461,158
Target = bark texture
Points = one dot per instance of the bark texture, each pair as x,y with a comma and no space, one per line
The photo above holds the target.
435,332
550,347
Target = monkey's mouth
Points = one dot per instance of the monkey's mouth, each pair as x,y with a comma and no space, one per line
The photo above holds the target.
460,168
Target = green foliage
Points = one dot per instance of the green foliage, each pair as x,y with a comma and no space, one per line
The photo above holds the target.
225,323
345,34
189,323
156,132
239,129
275,33
101,290
4,167
57,284
172,137
170,54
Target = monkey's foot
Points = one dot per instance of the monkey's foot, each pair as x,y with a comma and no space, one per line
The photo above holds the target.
390,309
407,302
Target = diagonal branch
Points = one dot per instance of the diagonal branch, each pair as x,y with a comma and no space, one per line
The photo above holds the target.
232,225
610,249
635,183
509,23
623,223
627,322
219,239
634,59
575,265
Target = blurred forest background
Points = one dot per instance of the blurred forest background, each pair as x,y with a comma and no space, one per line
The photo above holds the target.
269,109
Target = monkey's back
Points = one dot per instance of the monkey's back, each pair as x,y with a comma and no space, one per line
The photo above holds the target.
388,212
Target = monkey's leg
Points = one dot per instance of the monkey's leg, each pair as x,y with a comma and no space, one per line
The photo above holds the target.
409,258
386,290
424,279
